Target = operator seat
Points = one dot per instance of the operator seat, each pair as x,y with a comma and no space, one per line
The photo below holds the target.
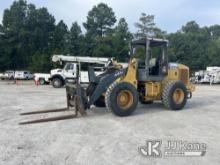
154,66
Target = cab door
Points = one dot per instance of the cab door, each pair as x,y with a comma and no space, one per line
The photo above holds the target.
84,77
70,70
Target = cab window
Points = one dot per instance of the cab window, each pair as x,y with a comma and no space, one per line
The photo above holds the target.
69,67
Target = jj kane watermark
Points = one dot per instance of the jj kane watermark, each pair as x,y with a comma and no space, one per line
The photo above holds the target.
155,148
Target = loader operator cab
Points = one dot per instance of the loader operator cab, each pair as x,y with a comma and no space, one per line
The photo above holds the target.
153,60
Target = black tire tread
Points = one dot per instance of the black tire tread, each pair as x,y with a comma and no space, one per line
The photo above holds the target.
107,96
109,104
61,84
166,94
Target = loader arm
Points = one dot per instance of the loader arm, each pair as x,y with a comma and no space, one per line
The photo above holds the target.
126,75
104,83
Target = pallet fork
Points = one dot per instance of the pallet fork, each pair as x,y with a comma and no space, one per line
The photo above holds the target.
75,103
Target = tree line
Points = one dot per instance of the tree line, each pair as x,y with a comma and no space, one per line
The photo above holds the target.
30,36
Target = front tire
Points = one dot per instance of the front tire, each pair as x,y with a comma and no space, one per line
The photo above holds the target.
57,83
174,95
121,98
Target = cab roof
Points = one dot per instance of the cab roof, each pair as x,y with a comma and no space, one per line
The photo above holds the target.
153,42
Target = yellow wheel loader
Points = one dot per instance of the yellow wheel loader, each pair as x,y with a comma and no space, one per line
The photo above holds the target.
151,78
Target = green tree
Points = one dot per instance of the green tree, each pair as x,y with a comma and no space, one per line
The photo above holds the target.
14,19
145,26
1,30
190,27
27,30
214,31
31,37
122,37
75,39
98,37
40,62
88,45
41,25
213,51
60,38
104,47
100,20
189,46
158,33
2,45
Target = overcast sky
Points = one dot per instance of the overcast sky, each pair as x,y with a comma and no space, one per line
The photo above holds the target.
170,15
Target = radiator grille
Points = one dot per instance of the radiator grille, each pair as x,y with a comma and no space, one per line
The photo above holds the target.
184,75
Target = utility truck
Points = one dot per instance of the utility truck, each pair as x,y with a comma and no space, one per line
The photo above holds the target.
74,64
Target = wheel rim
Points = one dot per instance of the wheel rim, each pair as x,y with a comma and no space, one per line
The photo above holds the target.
125,99
57,83
178,96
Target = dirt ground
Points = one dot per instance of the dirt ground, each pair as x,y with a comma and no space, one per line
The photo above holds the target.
102,138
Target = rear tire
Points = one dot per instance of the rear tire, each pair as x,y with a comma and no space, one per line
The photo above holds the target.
41,81
121,98
57,83
174,95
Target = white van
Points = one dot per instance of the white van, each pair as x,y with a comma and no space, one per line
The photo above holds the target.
23,75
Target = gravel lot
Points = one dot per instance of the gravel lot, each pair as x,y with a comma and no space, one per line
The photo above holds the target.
102,138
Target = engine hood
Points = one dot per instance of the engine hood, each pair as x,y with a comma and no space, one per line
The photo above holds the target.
56,71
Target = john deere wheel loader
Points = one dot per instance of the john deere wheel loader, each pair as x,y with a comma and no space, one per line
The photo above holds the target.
151,79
